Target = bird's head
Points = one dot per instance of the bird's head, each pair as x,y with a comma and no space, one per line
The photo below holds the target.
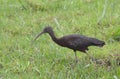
47,29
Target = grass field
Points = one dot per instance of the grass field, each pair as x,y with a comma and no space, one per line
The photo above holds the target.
22,20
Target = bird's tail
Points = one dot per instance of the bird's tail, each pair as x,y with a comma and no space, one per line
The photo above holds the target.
97,42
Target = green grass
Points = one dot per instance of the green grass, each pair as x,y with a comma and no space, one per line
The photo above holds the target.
21,21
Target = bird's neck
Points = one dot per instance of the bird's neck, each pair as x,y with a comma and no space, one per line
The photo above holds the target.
54,38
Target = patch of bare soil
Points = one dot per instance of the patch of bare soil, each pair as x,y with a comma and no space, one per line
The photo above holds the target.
113,59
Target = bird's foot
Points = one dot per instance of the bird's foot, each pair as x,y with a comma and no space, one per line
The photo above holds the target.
76,60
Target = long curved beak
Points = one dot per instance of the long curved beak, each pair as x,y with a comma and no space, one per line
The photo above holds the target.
37,36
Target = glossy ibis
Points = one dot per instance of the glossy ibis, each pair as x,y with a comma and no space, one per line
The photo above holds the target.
75,42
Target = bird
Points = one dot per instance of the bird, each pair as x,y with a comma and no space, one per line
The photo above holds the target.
76,42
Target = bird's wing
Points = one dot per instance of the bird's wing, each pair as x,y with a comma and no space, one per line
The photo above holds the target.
76,40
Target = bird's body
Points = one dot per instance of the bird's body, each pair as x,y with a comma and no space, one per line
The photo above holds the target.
75,42
78,42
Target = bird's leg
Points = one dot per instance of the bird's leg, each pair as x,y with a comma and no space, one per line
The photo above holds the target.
91,57
76,57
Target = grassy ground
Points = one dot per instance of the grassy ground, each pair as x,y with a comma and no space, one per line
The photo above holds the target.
21,20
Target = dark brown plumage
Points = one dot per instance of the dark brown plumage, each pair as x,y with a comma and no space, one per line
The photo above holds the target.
75,42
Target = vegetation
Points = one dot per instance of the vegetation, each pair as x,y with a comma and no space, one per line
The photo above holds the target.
21,20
